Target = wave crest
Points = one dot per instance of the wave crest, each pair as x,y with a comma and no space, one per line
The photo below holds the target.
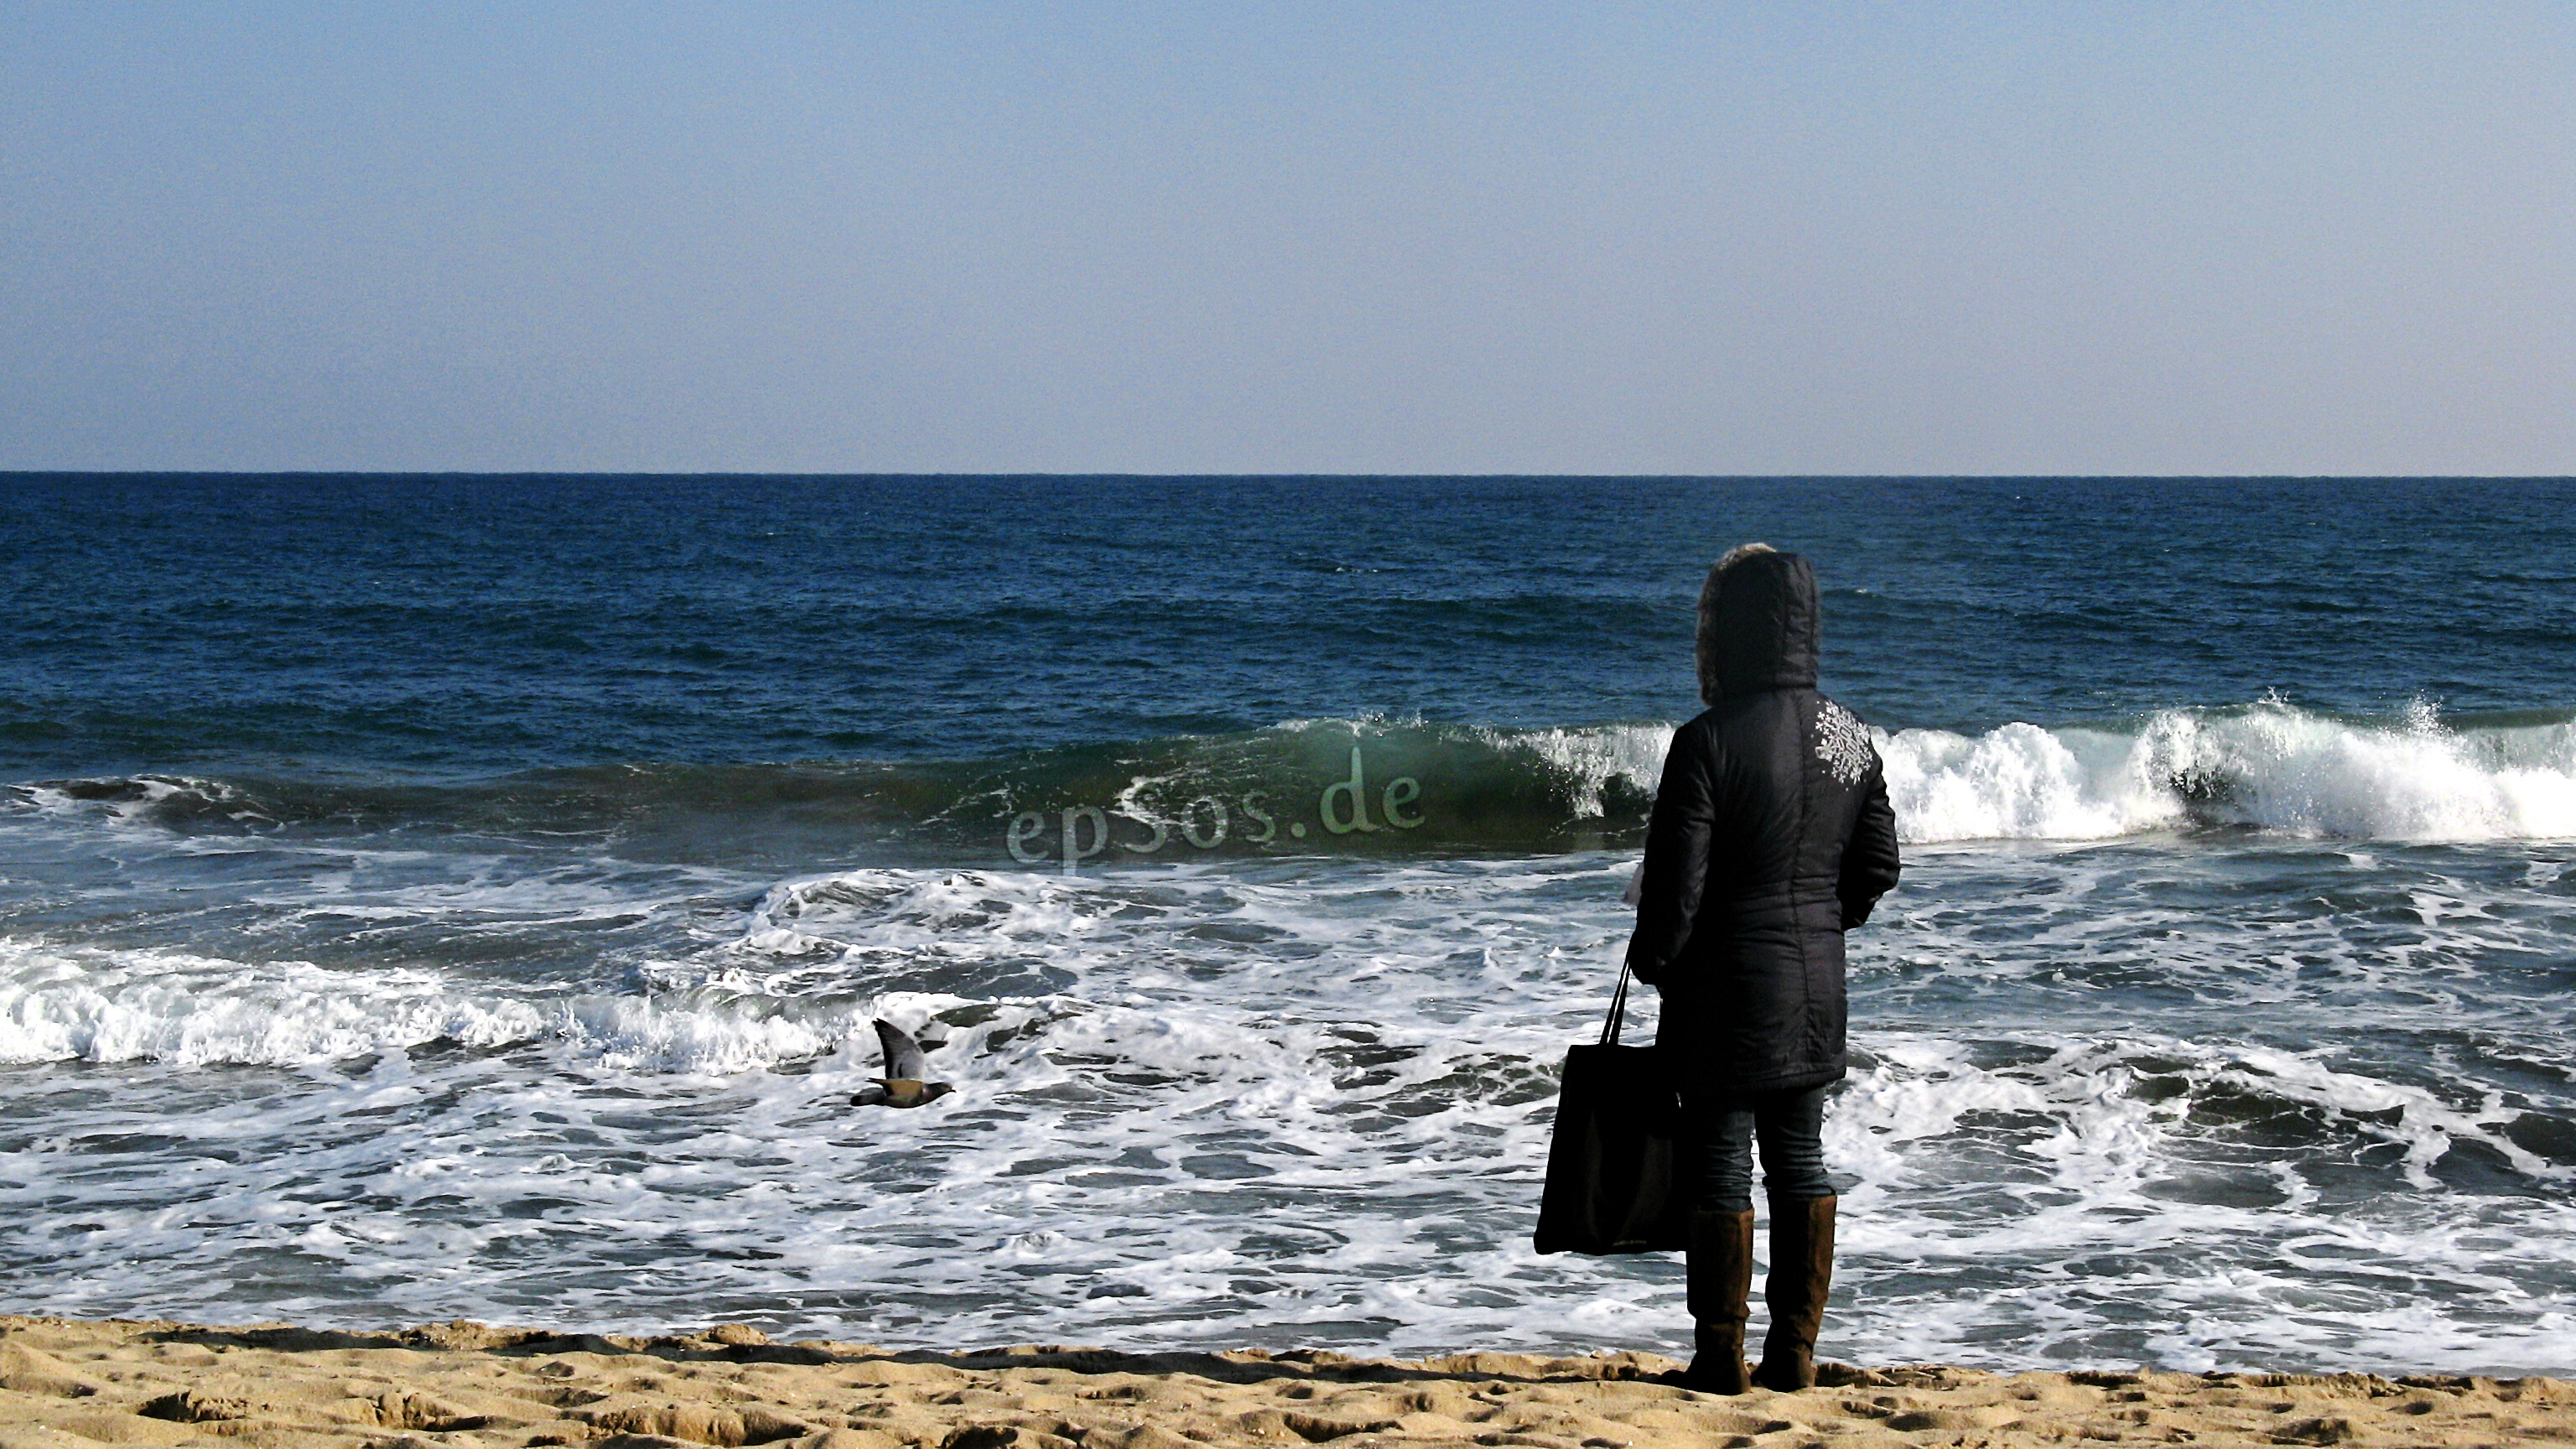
102,1006
2267,766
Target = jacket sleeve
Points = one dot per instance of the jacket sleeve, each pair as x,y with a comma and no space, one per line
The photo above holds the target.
1677,846
1870,865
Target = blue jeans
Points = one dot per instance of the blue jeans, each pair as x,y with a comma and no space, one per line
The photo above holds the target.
1791,1126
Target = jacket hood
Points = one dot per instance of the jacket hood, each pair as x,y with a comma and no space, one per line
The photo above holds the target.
1757,624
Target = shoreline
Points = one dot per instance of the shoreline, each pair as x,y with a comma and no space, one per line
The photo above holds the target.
71,1383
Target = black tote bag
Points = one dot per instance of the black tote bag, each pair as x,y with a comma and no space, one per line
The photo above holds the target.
1615,1169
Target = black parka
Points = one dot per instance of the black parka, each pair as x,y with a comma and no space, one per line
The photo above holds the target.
1771,836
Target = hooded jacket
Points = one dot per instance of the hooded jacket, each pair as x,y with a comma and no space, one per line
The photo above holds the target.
1771,836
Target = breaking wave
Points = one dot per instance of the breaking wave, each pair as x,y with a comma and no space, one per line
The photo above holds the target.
2268,766
1377,787
101,1005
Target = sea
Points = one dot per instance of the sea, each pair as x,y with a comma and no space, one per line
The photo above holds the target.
468,897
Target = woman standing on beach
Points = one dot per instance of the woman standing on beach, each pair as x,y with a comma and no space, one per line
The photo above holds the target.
1771,836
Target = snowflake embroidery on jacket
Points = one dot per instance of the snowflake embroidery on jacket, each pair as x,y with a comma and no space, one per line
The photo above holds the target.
1842,742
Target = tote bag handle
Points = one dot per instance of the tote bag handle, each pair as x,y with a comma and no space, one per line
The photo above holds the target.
1618,1008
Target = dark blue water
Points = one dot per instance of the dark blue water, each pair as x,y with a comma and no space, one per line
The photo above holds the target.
481,625
424,897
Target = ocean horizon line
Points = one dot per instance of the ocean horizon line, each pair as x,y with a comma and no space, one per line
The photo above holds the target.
702,475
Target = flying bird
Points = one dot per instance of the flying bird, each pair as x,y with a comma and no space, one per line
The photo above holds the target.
901,1086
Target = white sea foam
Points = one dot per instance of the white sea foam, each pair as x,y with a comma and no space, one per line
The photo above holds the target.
104,1005
1588,762
2270,766
2158,1099
101,1005
1310,1101
130,800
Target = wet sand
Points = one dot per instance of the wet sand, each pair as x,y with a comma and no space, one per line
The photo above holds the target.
67,1384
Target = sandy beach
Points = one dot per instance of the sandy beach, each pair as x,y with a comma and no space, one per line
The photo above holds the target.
66,1383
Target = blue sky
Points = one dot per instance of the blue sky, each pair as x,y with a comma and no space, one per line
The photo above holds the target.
1407,237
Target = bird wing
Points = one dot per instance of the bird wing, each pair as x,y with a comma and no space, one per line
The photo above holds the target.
903,1058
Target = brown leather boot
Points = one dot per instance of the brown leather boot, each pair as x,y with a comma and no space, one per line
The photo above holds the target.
1802,1273
1720,1268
